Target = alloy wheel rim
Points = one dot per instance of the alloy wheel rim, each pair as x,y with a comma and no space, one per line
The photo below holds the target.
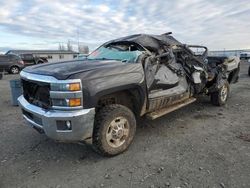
224,93
117,132
14,70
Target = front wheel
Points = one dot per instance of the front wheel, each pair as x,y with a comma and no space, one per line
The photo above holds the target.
114,129
14,70
220,97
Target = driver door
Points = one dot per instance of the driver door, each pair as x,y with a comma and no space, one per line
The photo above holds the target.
166,83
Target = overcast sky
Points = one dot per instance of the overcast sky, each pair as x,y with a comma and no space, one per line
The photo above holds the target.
43,24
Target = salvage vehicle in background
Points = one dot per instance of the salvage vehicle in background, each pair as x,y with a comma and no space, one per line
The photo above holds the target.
249,67
99,99
30,59
245,55
11,63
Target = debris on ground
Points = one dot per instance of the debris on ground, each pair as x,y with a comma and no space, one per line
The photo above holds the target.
245,137
222,185
107,176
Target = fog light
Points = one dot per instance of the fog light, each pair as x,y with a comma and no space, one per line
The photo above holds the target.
64,125
68,124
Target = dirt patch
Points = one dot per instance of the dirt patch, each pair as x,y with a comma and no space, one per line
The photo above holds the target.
203,116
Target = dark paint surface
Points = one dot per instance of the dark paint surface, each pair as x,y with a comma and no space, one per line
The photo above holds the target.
99,77
62,70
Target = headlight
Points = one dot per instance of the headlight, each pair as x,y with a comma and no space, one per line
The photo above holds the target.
75,102
66,86
65,95
74,87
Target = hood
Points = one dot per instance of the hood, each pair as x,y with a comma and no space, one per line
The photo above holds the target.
63,70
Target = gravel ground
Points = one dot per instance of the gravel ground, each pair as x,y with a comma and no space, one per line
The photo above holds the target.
199,145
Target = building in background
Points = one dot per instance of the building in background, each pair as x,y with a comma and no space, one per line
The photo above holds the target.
243,54
50,55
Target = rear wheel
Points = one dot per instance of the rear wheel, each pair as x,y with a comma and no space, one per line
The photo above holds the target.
220,97
114,129
14,70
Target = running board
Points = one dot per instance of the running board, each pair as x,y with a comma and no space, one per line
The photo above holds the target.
158,113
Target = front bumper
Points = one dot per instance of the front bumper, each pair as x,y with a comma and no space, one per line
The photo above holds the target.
82,121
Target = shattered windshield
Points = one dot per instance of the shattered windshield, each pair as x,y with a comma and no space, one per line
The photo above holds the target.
113,53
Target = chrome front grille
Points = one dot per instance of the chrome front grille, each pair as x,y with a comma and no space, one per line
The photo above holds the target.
37,93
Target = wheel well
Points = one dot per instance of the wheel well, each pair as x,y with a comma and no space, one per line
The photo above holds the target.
14,66
129,98
232,74
230,77
40,61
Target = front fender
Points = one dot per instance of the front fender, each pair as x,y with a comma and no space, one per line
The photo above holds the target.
94,89
106,80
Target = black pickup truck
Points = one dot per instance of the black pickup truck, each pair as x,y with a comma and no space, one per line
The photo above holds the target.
99,99
30,59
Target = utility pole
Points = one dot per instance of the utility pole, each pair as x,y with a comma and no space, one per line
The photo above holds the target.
78,38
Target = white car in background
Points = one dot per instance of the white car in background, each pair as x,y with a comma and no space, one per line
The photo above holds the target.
249,67
245,55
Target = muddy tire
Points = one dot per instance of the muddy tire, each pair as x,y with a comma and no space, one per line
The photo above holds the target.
114,130
14,70
220,97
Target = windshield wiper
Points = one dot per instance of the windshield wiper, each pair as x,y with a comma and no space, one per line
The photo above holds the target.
109,59
100,59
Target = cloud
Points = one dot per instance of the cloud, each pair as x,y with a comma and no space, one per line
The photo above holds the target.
217,24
